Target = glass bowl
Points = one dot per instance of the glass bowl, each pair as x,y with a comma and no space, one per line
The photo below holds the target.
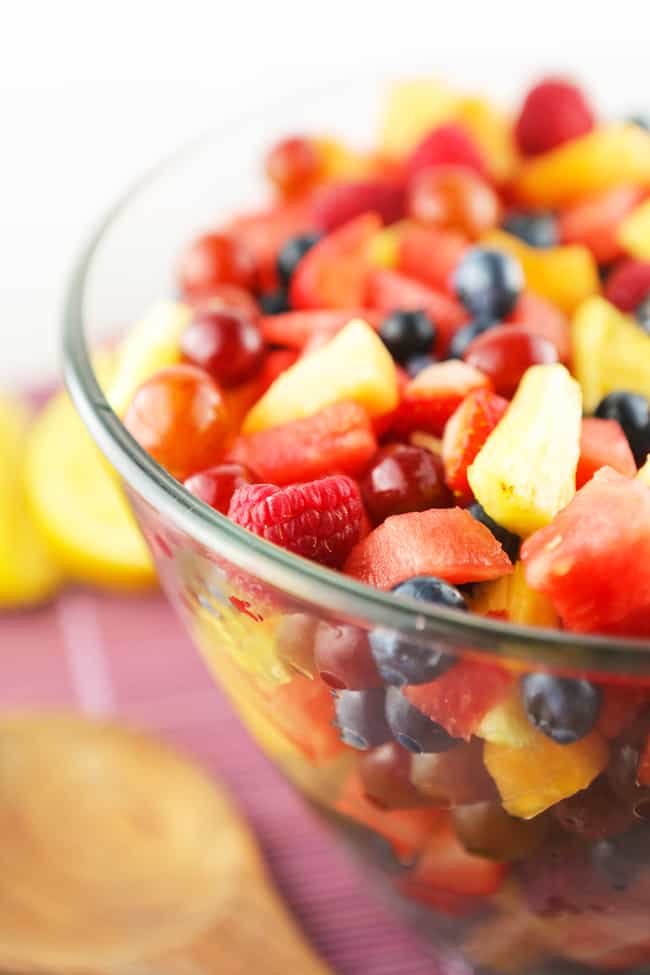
553,883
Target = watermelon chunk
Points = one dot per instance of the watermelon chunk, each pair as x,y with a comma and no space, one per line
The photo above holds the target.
430,255
539,316
391,291
333,273
443,542
593,559
338,203
295,329
594,222
603,444
336,440
461,697
428,401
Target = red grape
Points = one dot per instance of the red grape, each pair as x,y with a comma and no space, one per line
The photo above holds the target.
343,657
211,260
179,417
227,344
454,198
293,165
505,352
216,485
404,478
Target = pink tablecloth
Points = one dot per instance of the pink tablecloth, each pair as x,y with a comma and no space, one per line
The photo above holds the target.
129,657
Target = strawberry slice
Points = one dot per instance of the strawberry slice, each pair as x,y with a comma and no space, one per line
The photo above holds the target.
603,444
336,440
333,273
465,433
338,203
265,231
296,328
407,830
391,291
430,399
461,697
430,255
443,542
449,878
594,222
541,317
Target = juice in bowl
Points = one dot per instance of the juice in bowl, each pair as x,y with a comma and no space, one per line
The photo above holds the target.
387,444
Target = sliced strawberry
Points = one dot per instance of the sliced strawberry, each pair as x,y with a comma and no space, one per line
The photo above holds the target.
295,328
603,444
264,233
430,255
336,440
461,697
465,433
443,542
391,291
430,399
594,222
333,274
338,203
406,830
447,877
541,317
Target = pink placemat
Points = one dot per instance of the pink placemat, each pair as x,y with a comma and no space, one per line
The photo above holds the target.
128,657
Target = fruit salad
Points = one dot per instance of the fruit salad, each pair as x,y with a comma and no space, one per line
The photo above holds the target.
425,365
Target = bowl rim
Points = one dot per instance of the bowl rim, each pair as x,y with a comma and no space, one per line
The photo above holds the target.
331,592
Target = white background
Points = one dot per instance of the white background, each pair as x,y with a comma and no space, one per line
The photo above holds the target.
92,93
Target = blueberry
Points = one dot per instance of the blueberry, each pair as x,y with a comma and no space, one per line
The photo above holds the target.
361,718
412,728
488,283
274,302
562,708
407,334
292,252
462,338
535,229
509,541
398,660
643,314
633,413
418,363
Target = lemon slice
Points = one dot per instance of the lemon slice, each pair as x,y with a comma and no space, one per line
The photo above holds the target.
78,503
28,573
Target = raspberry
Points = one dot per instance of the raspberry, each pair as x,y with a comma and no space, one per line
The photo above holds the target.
319,520
447,145
628,285
554,111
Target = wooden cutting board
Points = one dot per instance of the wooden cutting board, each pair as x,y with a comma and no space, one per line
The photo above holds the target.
120,857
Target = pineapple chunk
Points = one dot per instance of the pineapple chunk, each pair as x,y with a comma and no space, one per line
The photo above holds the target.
384,246
607,157
565,275
492,130
513,596
354,365
413,108
151,345
525,472
507,724
609,352
535,777
634,232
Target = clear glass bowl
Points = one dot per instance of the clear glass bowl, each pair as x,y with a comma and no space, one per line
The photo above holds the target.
576,885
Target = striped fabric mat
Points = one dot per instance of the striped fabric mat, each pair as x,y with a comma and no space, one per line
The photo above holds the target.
102,655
